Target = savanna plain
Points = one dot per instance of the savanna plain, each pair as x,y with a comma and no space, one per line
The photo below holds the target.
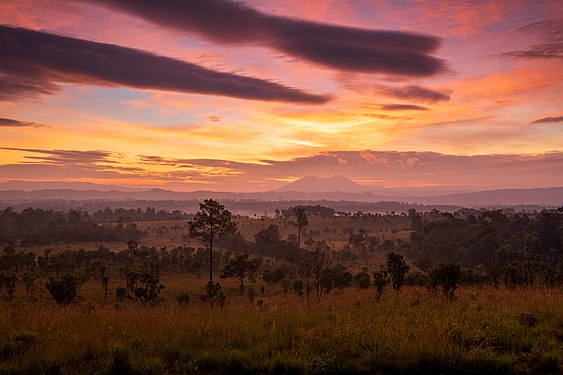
469,292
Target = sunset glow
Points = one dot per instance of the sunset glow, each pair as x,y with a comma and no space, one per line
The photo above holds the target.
249,96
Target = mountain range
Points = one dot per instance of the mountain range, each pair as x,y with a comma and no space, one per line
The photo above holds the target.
336,188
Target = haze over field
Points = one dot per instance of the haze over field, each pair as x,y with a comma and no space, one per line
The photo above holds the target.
400,99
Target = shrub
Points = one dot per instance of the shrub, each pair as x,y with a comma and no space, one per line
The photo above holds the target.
143,288
445,276
65,290
362,280
183,299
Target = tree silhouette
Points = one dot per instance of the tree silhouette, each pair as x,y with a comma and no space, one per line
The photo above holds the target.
212,221
241,267
300,222
397,268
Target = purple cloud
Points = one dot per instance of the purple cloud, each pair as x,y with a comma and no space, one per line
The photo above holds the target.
415,93
40,59
338,47
403,107
550,31
548,120
11,123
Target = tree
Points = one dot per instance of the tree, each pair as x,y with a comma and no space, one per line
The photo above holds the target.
300,222
320,262
65,290
241,267
380,280
211,222
9,282
143,288
445,276
267,238
397,268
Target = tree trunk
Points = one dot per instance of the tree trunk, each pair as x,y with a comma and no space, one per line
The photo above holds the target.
210,261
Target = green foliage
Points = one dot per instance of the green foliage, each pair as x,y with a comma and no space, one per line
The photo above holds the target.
300,222
143,288
121,293
362,280
267,238
276,275
336,277
242,267
380,281
445,276
212,221
397,269
298,287
183,299
214,294
65,290
8,282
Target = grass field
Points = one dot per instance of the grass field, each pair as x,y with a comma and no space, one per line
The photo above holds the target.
484,330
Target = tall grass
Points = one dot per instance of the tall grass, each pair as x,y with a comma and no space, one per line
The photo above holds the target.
483,331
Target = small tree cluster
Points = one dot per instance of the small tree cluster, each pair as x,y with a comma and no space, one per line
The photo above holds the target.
242,267
9,282
65,290
143,288
445,276
380,280
397,269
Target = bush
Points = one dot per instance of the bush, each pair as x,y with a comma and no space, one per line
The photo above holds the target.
65,290
143,288
183,299
445,276
362,280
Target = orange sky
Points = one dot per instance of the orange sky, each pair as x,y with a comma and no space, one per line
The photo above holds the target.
490,115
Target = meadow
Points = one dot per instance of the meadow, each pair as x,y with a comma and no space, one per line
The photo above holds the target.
516,328
484,330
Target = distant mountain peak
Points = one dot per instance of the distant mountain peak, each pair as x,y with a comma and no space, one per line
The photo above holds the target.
315,184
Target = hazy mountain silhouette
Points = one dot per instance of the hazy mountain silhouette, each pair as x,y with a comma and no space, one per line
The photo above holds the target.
314,184
310,188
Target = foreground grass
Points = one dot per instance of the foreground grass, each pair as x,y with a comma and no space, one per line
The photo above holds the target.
483,331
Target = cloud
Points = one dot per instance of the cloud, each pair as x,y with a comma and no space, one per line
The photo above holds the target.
403,107
39,60
337,47
64,157
415,93
395,168
389,168
550,32
14,87
548,120
10,123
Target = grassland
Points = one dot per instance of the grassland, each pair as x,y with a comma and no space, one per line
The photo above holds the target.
484,330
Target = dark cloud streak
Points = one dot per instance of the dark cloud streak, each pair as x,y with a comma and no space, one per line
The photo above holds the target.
548,120
39,59
403,107
415,93
338,47
11,123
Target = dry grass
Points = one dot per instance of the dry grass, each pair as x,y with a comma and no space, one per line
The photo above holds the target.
484,330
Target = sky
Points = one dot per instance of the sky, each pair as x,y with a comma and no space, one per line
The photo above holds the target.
250,95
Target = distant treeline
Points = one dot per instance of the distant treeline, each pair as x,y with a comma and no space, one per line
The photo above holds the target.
129,215
238,206
45,227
